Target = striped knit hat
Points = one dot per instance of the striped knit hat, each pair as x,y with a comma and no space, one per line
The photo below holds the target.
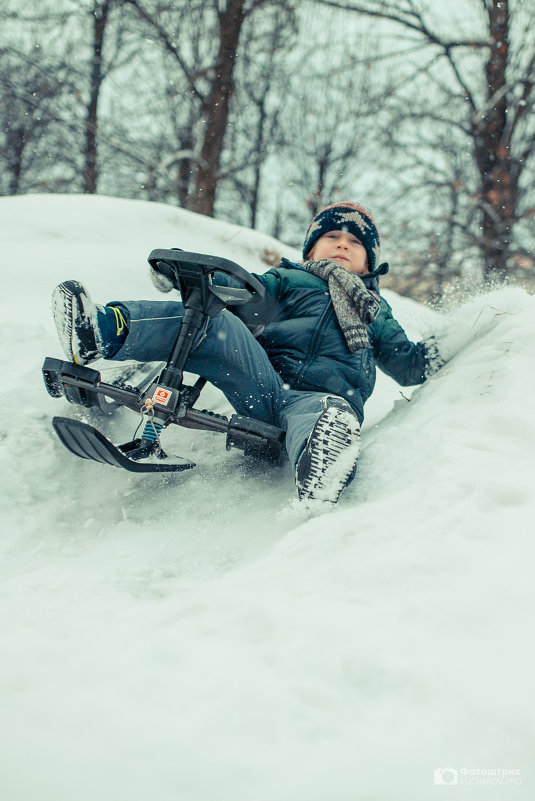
345,217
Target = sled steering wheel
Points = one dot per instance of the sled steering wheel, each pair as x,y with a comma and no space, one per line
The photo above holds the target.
193,272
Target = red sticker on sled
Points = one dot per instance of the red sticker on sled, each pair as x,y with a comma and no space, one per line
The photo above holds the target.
161,396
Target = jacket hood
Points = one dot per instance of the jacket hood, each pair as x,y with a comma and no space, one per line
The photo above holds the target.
371,280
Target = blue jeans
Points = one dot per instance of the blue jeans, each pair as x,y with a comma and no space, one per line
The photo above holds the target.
228,356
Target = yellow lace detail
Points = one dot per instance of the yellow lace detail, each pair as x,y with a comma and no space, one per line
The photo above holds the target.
119,320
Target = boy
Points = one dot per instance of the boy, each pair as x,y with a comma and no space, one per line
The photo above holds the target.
310,365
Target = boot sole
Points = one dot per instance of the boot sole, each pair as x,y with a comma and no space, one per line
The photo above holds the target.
74,321
334,447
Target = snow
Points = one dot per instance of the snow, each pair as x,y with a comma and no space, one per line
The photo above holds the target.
195,637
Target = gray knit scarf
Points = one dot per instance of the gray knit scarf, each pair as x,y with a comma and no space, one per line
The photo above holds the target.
355,307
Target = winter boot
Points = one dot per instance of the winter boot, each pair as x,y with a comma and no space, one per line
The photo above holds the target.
328,462
86,331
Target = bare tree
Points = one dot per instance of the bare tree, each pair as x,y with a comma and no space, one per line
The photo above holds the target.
51,90
37,126
326,134
209,74
99,14
216,104
113,45
210,84
253,131
477,90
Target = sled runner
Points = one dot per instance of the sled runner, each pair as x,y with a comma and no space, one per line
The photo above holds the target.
160,394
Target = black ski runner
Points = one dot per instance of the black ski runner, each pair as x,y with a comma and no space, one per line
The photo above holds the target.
87,442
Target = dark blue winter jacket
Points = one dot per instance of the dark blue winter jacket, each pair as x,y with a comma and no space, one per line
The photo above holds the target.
305,344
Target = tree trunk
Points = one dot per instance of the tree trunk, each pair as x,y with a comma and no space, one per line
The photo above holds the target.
90,174
216,108
260,156
492,150
16,140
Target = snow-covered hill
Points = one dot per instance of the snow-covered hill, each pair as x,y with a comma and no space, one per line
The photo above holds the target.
192,638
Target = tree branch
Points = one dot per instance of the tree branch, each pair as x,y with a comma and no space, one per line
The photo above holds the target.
170,47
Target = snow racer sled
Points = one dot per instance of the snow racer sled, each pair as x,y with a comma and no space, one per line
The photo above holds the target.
162,397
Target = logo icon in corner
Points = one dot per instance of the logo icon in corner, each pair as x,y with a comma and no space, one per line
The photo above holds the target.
446,775
162,396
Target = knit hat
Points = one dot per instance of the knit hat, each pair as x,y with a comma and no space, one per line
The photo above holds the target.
345,217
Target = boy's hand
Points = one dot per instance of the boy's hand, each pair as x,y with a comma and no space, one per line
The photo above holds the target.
160,281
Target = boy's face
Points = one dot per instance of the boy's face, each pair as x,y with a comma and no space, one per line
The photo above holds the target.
343,248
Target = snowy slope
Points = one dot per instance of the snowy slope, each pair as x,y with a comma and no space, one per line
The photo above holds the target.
194,638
